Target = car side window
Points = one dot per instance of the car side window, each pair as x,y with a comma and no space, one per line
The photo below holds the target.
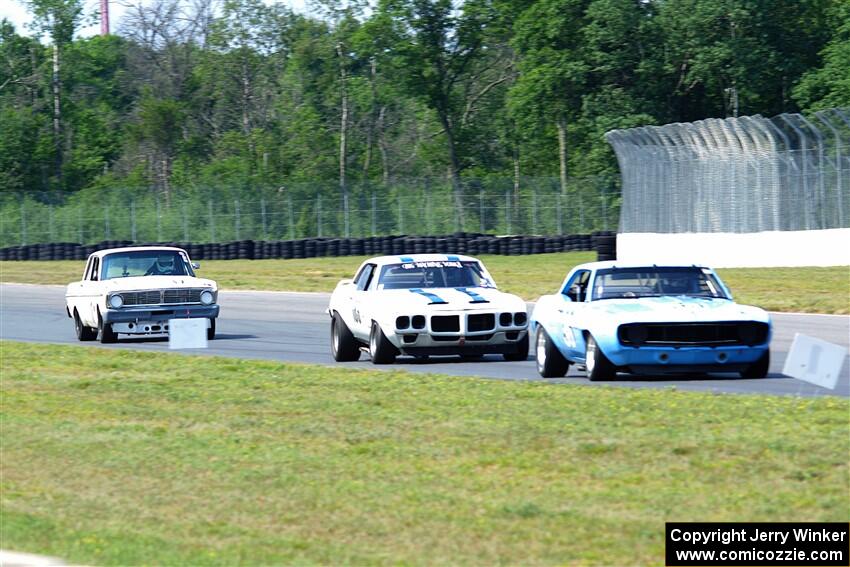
95,268
576,288
364,277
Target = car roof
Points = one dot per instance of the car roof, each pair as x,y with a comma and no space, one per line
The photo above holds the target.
406,258
608,264
101,253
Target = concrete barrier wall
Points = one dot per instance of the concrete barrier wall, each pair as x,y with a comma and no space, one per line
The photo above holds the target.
748,250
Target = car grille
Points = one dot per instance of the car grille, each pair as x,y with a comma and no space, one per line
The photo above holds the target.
480,322
445,323
142,297
163,297
726,333
181,296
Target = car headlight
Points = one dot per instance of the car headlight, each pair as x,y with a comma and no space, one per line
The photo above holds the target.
207,297
116,301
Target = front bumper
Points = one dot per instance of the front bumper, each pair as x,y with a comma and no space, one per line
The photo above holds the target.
669,360
499,342
164,313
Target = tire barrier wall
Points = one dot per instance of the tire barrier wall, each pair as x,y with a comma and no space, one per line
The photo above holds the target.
604,243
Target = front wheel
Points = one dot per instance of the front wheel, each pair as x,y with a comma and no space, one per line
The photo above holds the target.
83,333
521,353
380,348
107,335
550,362
344,346
759,368
598,366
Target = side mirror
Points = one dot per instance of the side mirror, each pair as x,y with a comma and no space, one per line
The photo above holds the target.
196,266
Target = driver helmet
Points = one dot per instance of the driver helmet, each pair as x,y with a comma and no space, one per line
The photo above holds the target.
165,262
455,277
678,285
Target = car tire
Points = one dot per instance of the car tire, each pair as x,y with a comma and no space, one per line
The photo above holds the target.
107,335
83,333
759,368
521,353
598,366
550,362
211,330
344,346
380,348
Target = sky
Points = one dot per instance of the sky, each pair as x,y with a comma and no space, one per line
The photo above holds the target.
15,11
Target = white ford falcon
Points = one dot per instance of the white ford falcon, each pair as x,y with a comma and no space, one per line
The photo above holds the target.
425,304
136,291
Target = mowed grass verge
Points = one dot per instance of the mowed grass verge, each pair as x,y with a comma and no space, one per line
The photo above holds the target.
113,457
808,290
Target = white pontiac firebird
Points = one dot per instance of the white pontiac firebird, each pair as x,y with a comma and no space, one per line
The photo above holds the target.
425,304
136,291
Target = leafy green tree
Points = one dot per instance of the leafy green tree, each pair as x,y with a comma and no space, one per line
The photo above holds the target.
24,114
58,19
828,85
157,132
437,49
553,70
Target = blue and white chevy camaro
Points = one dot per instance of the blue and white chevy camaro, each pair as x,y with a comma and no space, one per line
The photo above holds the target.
422,305
616,317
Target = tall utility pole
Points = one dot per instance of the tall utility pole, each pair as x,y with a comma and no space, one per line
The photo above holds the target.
104,17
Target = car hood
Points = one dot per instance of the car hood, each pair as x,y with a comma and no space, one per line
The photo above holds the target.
141,283
454,298
679,308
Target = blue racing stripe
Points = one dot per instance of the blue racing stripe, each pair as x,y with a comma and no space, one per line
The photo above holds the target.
475,297
435,299
406,259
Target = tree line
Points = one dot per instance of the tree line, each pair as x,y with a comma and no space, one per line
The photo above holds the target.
251,94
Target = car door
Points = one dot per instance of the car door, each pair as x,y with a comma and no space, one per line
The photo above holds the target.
74,291
360,308
574,295
90,294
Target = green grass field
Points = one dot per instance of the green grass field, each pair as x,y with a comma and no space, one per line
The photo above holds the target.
114,457
810,290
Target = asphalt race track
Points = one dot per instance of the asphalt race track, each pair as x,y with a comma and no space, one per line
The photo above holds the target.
294,327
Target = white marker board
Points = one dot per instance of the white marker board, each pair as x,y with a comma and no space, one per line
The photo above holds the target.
815,361
187,333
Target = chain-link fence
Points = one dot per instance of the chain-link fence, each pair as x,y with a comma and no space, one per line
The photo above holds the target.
747,174
536,206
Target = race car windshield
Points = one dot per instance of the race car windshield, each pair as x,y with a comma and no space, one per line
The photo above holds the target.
627,283
146,263
413,275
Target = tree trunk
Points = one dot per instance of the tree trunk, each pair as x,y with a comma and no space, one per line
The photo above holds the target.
370,130
166,179
382,142
454,169
343,122
516,176
57,114
246,98
562,152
